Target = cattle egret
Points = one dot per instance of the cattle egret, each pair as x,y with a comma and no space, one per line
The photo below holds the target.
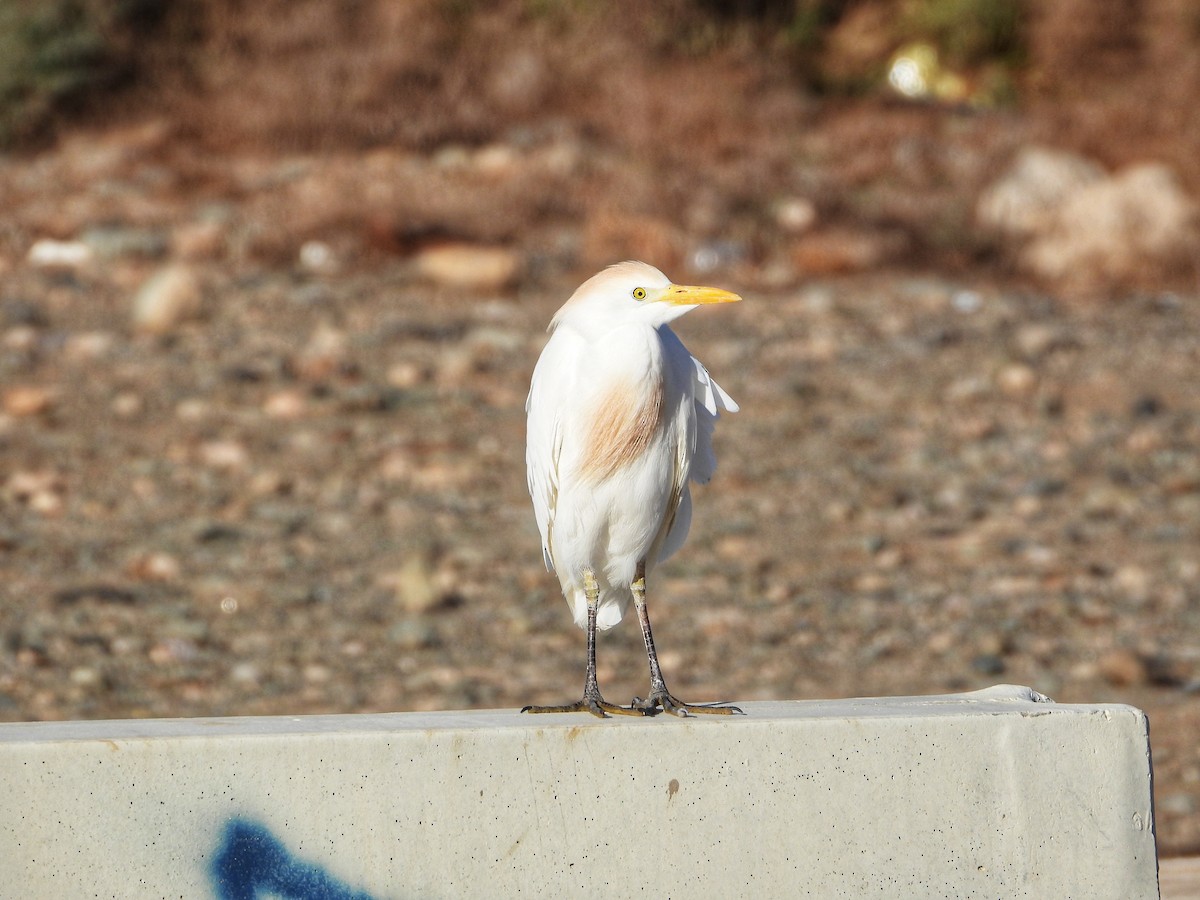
620,420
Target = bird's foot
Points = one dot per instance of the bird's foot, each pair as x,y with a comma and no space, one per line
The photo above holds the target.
596,705
664,700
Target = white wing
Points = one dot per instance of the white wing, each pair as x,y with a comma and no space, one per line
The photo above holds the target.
695,460
710,400
550,391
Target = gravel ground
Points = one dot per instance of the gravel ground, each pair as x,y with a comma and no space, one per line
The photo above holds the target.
306,495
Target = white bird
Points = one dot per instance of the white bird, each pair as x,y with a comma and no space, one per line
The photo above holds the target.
620,420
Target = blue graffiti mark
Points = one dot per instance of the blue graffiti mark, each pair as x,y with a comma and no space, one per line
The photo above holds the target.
251,861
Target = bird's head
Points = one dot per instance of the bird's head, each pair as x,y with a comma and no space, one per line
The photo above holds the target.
634,292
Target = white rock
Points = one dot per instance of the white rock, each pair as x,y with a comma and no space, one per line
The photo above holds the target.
795,215
1117,228
1067,222
169,297
317,256
966,301
49,252
1022,201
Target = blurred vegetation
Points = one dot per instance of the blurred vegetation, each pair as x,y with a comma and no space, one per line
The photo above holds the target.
55,54
969,32
798,23
844,46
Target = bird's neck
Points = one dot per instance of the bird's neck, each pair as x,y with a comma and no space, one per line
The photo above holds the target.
635,348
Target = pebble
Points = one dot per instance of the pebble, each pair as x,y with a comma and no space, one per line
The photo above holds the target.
193,409
46,503
406,374
169,297
456,365
966,301
84,676
28,400
871,583
66,254
245,673
25,483
156,566
1017,380
413,585
795,215
286,404
1134,581
88,346
127,405
316,673
227,455
495,160
22,338
468,266
317,256
396,466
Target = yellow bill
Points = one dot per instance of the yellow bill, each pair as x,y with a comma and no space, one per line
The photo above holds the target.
692,295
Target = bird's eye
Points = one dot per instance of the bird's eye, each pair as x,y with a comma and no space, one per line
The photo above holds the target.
639,293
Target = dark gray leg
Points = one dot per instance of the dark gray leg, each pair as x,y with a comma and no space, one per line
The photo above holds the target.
592,701
659,695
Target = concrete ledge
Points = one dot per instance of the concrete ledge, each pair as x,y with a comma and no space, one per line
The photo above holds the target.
990,794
